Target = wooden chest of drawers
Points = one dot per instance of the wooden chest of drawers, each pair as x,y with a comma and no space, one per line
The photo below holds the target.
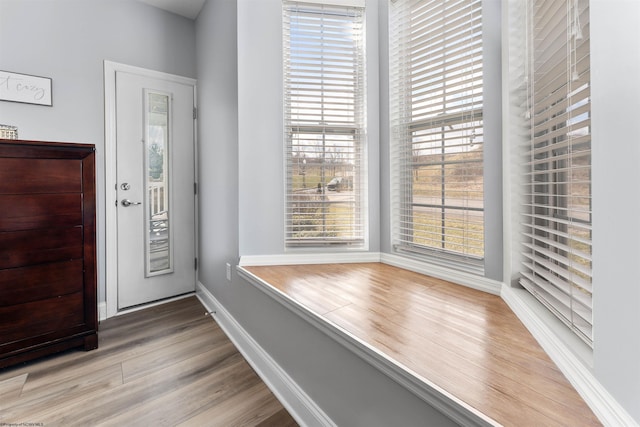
48,299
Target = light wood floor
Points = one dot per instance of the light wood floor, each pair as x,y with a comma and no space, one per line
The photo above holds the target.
465,341
165,365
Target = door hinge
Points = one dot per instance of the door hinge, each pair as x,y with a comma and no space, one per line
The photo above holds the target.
195,188
195,263
195,113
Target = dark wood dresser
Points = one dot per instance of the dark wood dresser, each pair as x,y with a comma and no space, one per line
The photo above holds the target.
48,299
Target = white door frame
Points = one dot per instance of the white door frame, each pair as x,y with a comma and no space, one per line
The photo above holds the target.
111,256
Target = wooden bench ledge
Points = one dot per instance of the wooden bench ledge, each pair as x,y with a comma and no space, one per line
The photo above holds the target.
466,342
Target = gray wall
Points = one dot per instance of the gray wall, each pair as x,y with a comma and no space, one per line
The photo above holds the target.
68,40
492,132
216,50
615,67
260,131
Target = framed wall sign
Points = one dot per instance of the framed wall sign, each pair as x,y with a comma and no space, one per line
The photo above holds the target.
25,88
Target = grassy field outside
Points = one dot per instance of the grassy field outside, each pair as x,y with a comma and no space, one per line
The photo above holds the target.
453,234
452,179
322,219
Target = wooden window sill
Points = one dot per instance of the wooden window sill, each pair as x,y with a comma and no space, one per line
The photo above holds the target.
462,350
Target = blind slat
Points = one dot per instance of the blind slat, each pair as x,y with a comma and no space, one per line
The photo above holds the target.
556,206
437,144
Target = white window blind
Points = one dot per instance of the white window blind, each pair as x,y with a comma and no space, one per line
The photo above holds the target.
557,210
324,86
437,129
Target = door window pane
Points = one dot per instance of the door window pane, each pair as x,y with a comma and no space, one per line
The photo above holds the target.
158,236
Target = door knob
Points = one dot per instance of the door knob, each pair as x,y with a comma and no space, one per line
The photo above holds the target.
127,203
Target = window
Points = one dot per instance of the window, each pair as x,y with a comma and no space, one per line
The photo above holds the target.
324,124
557,191
437,130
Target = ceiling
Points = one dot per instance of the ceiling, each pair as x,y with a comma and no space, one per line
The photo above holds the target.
186,8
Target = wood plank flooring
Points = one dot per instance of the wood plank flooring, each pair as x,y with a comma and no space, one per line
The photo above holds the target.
169,365
466,341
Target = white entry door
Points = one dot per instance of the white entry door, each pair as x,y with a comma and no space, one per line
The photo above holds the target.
155,189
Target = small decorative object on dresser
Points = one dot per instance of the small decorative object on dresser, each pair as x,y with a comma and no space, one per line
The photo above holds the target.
48,299
8,132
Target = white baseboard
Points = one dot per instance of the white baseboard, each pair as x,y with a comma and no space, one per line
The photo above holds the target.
102,311
460,277
310,258
301,407
604,406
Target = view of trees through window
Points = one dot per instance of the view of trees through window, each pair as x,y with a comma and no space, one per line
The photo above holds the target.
323,198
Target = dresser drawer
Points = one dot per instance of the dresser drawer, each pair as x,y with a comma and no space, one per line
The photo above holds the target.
23,176
26,284
40,211
31,247
40,317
